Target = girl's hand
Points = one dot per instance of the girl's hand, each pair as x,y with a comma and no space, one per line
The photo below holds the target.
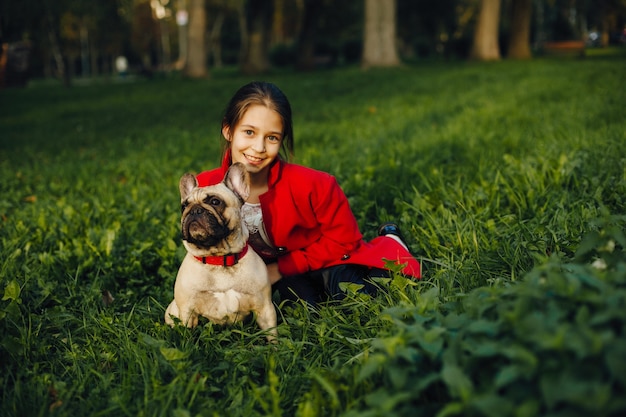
274,274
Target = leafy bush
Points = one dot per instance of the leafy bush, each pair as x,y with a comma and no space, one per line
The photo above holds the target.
553,344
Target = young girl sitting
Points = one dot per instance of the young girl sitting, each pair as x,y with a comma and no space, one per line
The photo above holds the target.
299,219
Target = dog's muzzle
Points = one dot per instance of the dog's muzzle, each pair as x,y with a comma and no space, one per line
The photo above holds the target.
202,228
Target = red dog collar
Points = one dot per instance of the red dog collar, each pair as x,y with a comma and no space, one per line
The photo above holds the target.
226,260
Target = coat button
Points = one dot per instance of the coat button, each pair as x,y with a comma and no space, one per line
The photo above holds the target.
345,257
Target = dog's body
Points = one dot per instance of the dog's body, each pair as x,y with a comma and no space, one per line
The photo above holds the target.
221,278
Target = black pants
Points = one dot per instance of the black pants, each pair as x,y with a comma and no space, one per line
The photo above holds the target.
323,284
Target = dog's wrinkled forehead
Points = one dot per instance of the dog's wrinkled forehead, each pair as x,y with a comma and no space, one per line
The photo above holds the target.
215,196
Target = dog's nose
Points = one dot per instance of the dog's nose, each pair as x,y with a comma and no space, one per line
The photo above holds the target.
197,210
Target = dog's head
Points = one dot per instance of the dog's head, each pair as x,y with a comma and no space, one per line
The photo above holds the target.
211,216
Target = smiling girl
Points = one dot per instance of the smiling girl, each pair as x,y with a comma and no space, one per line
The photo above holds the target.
299,219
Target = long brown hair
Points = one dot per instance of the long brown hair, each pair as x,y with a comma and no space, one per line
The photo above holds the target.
268,95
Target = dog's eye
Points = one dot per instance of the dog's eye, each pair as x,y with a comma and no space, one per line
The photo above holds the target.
213,201
183,206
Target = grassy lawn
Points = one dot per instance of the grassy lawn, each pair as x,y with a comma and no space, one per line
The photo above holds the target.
508,180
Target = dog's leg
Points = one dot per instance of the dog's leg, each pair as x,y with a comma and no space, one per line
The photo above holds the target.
172,310
189,318
266,319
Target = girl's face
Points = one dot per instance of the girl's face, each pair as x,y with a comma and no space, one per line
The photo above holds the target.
255,141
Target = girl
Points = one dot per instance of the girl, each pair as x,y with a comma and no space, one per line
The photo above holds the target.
299,218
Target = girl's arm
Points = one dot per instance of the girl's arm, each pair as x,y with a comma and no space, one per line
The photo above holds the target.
337,233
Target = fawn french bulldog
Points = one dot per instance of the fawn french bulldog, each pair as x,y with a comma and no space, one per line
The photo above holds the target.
221,277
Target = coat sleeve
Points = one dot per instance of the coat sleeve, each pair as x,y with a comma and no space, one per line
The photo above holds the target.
334,232
211,177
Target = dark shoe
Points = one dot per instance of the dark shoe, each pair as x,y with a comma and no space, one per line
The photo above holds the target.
391,229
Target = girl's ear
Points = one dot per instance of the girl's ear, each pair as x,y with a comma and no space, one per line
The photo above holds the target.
226,132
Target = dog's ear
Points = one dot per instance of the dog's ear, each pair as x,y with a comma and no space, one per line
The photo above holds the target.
237,180
187,183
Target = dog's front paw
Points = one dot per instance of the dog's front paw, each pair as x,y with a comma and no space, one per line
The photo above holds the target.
173,315
171,312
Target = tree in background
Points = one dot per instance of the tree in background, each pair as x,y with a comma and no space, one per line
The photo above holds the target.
109,38
218,10
145,35
519,41
608,19
379,35
485,43
305,55
428,29
256,25
338,32
52,40
72,34
196,65
85,36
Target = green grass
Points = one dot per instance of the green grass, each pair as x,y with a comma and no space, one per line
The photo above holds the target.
508,180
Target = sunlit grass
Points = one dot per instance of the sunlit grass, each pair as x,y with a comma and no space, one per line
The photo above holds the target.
507,179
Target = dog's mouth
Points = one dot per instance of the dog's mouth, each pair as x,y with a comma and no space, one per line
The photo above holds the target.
203,230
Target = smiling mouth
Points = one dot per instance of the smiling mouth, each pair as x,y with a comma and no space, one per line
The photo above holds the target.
253,159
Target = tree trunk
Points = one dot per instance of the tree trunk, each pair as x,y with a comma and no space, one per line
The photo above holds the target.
379,37
61,71
216,40
255,49
606,22
485,44
540,30
305,58
519,42
196,66
278,24
94,54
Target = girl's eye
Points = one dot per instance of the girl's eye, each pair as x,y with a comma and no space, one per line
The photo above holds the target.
249,132
273,139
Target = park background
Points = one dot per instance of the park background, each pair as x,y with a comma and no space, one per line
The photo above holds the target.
506,174
66,39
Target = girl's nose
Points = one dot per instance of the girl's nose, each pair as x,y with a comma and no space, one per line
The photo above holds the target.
259,145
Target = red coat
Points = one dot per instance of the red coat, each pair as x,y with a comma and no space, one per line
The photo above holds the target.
309,220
